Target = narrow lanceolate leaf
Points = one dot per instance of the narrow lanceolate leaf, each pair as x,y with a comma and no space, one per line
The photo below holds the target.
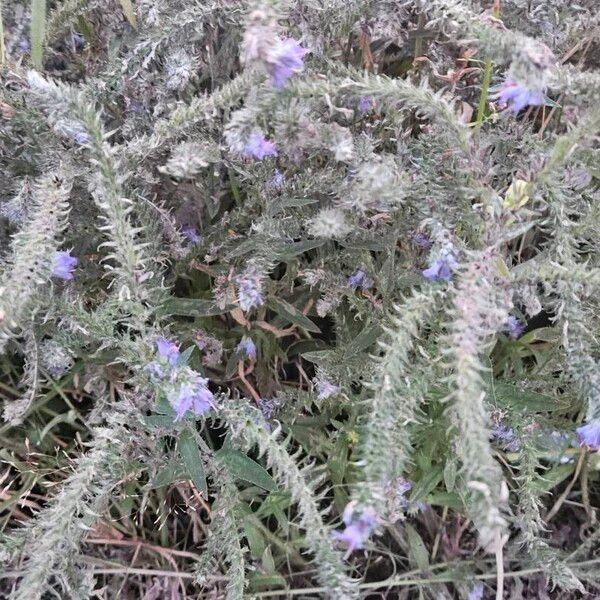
243,467
129,12
192,461
38,29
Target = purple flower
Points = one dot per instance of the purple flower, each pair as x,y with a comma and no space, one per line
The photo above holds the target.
507,437
441,268
81,138
78,40
325,390
514,327
420,239
250,290
277,180
258,146
359,526
23,46
286,61
247,347
476,592
167,350
63,265
359,279
266,407
364,104
155,371
194,396
589,435
191,234
518,97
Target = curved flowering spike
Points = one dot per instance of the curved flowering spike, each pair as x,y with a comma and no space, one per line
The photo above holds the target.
286,60
589,435
258,146
517,97
63,265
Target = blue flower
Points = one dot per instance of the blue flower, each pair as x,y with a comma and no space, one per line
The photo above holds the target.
247,347
507,437
441,268
517,97
476,592
589,435
250,290
155,371
191,234
359,526
277,180
514,327
359,279
193,396
365,104
287,61
420,239
325,390
63,265
258,146
167,350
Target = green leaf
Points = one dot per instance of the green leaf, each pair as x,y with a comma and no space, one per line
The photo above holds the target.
192,307
191,459
450,475
292,314
243,467
417,551
366,338
38,32
287,251
167,475
154,422
279,205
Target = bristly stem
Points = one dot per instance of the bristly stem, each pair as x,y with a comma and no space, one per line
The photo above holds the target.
485,82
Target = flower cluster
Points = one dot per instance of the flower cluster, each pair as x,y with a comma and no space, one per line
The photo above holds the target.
250,289
186,390
247,348
359,279
514,327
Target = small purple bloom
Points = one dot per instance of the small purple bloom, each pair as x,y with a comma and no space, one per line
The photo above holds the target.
81,138
589,435
156,372
247,347
63,265
441,268
250,290
194,396
476,592
258,146
359,279
287,61
191,234
266,407
168,350
23,46
518,97
365,104
514,327
359,526
78,40
420,239
325,390
277,180
507,437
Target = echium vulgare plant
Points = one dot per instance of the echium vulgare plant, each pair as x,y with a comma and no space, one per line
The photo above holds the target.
299,299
